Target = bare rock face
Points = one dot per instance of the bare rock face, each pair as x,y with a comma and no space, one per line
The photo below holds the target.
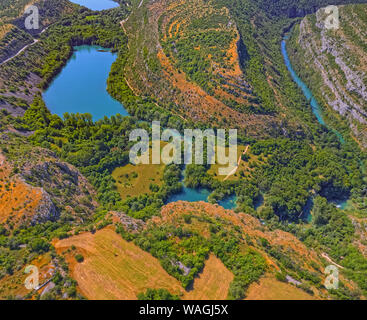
64,184
46,210
42,188
334,63
129,223
22,203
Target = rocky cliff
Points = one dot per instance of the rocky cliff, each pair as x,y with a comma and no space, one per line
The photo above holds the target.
35,186
333,64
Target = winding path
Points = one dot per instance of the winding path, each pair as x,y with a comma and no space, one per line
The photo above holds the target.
19,52
24,48
238,165
324,255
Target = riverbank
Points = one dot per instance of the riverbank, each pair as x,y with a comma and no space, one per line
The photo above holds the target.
316,108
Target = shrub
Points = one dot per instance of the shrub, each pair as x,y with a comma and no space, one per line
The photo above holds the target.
187,218
281,276
79,258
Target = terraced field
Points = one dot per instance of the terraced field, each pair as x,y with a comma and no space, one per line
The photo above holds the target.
204,47
187,55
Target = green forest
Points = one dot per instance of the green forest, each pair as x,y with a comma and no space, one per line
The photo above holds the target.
299,172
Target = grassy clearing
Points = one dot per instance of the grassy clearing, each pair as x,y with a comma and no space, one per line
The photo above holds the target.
135,180
245,168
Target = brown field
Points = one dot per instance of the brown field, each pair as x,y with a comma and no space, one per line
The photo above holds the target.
114,268
213,283
268,288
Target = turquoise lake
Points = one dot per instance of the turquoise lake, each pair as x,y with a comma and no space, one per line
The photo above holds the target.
81,85
190,195
97,5
194,195
81,88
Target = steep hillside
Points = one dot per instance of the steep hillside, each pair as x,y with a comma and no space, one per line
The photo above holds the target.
20,201
41,197
246,247
15,36
99,227
9,11
189,56
36,186
192,242
21,52
297,8
333,63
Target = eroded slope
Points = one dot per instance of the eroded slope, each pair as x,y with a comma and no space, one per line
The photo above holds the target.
187,55
333,63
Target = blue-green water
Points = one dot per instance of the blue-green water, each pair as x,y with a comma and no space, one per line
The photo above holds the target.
190,195
306,91
81,88
341,204
228,203
316,109
81,85
195,195
97,5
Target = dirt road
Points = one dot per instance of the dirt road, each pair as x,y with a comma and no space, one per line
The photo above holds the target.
238,165
19,52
